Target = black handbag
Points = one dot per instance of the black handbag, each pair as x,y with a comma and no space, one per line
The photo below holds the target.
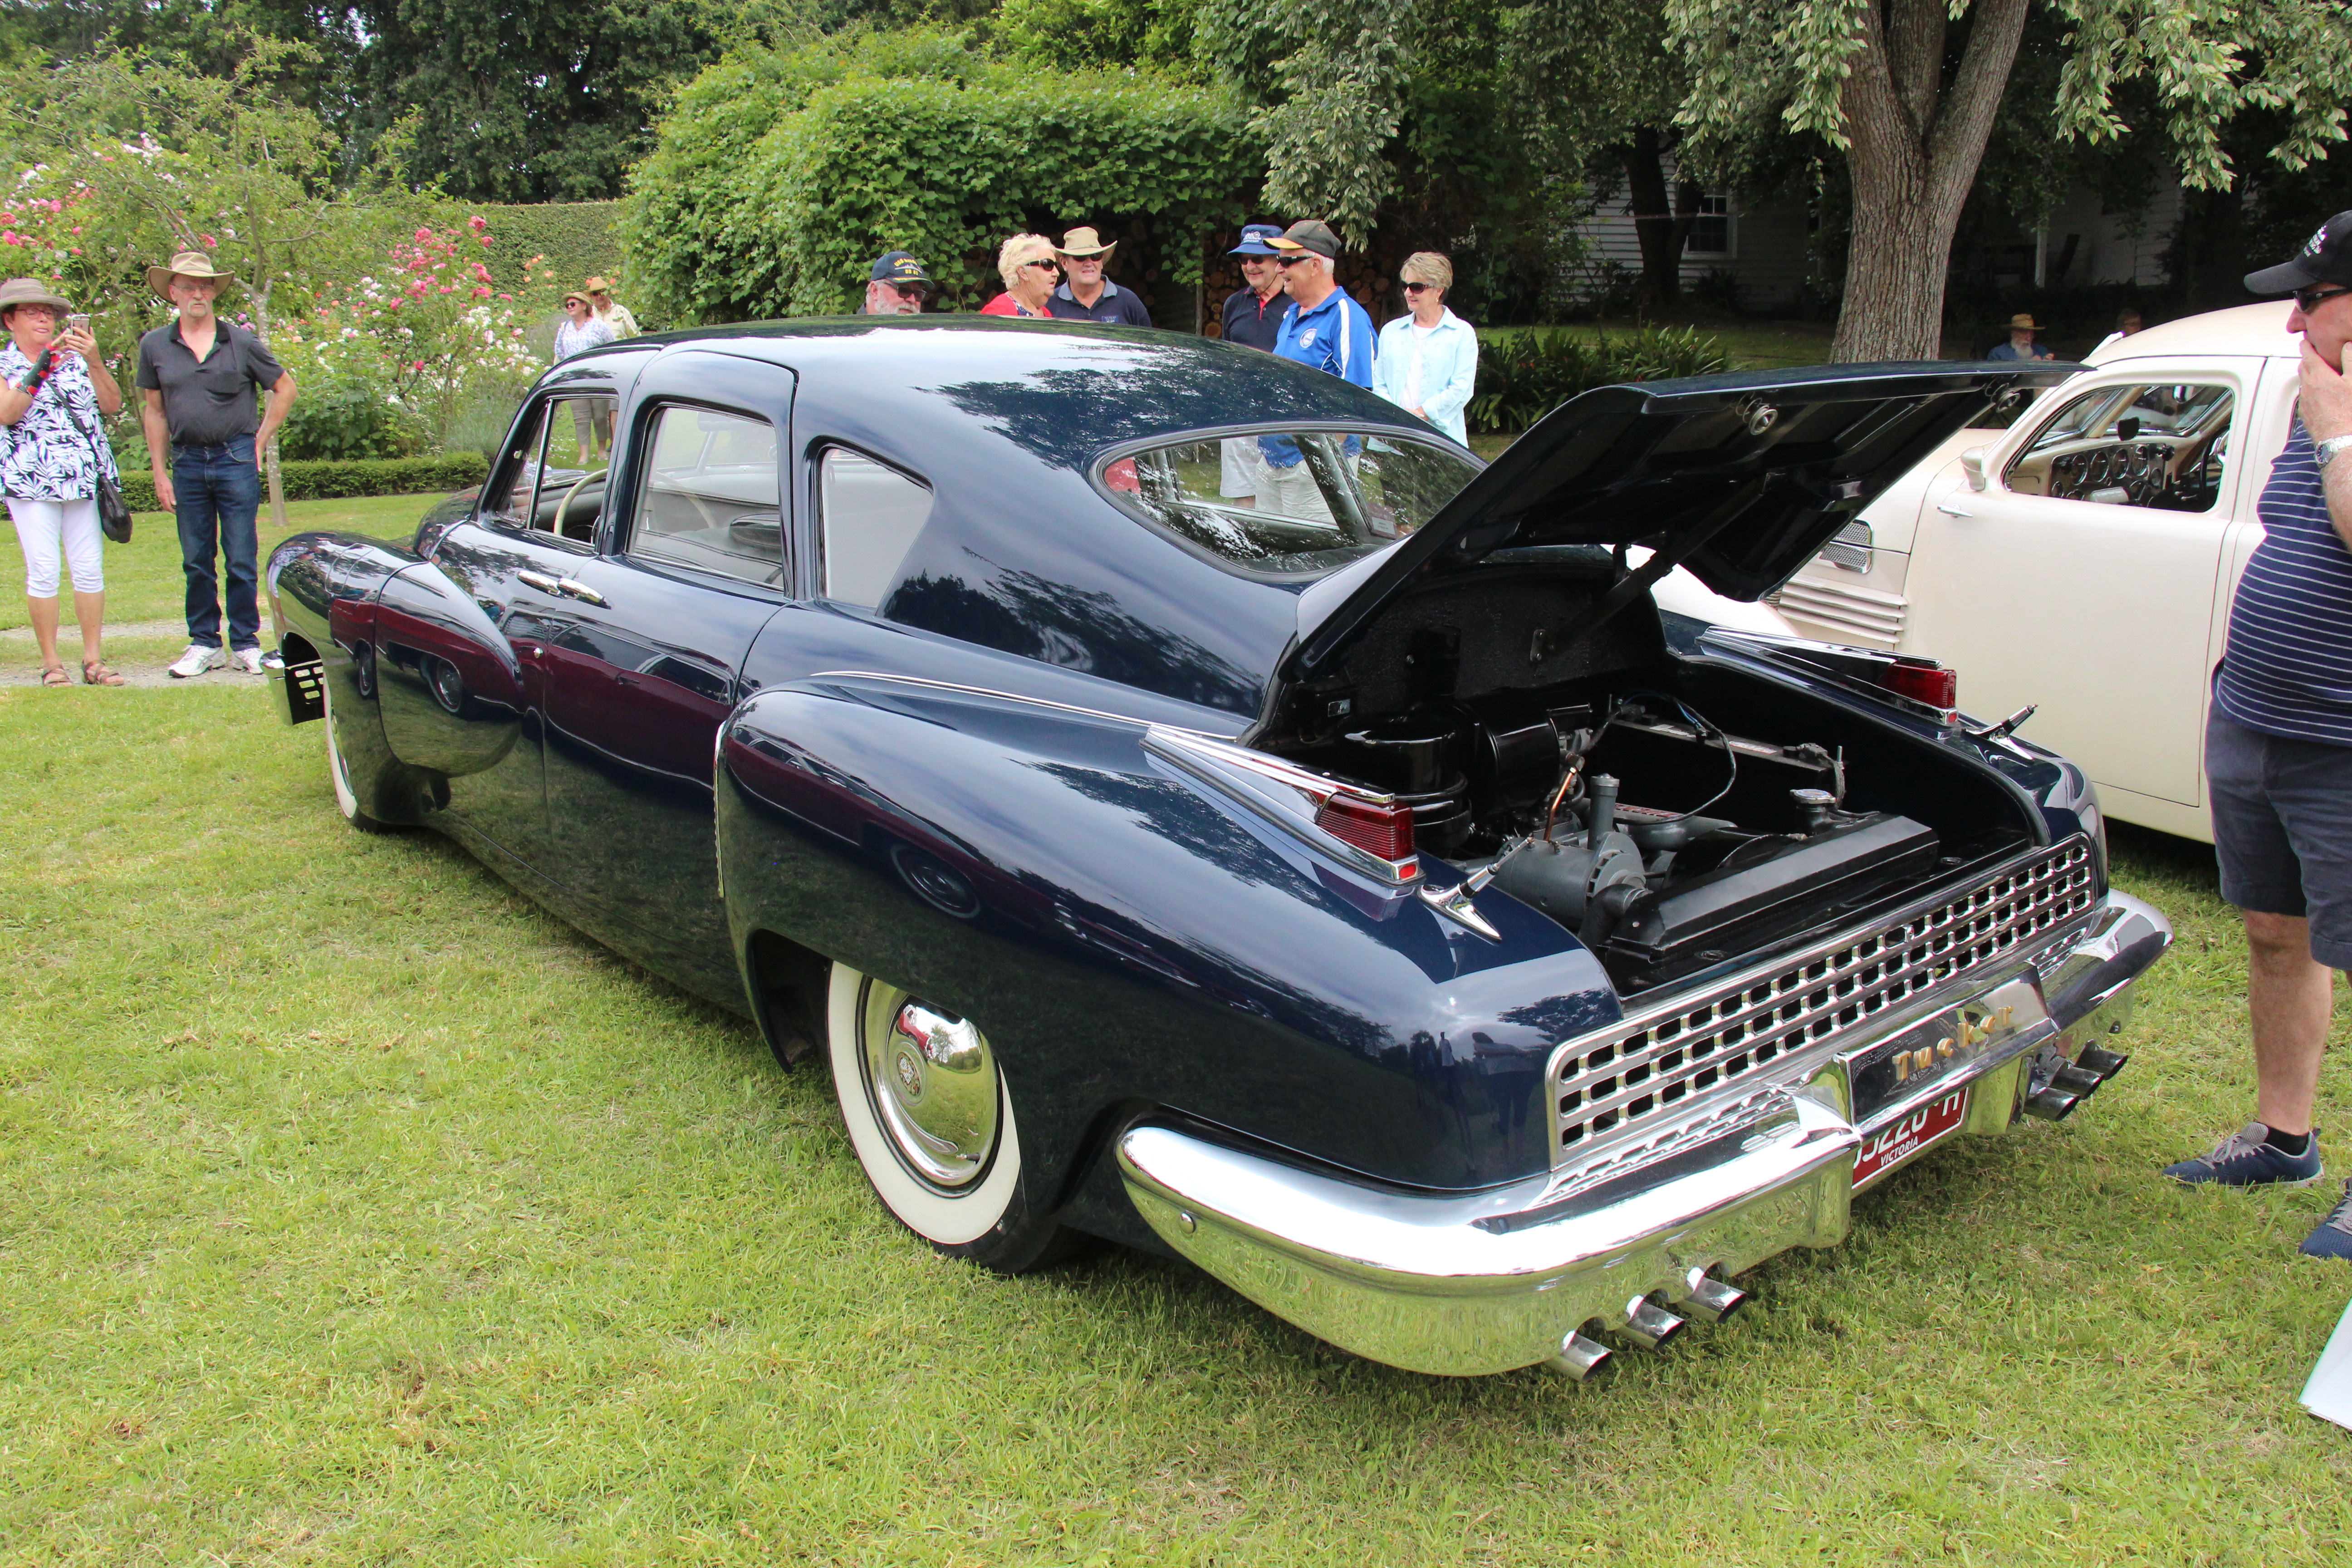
113,513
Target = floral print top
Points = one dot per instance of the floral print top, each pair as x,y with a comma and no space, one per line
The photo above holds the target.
571,340
43,457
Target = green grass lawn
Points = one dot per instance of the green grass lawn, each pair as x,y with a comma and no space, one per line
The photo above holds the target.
359,1212
144,585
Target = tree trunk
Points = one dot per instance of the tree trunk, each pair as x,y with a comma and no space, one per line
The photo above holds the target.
1660,231
1915,148
277,481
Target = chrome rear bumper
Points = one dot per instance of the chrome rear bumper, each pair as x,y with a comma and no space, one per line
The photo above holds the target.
1484,1282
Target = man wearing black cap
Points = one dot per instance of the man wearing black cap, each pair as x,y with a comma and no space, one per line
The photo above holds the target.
2278,748
896,285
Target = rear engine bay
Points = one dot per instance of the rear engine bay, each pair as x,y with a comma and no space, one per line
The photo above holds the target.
1676,813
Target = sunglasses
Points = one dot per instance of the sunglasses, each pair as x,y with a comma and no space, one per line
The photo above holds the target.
1419,287
2310,300
910,290
1295,260
1049,264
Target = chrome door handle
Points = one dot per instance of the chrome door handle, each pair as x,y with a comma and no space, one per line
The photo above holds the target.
580,591
1949,510
540,580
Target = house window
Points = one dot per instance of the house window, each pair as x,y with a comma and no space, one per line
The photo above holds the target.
1710,231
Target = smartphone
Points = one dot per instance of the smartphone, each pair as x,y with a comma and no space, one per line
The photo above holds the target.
77,322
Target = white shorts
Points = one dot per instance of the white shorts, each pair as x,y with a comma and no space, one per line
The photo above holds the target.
45,528
1242,468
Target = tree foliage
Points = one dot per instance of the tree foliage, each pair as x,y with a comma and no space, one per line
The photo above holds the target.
1910,90
779,176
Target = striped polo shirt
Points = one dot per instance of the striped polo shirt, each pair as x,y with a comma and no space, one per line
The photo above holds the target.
2288,670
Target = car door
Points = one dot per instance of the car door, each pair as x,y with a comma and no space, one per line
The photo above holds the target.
456,652
2083,576
642,658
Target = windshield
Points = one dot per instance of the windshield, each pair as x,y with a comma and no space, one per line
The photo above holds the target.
1289,503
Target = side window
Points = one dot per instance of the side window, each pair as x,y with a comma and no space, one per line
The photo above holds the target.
2157,444
711,500
871,516
555,482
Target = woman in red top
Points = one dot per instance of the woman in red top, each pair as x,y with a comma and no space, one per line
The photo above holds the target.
1027,265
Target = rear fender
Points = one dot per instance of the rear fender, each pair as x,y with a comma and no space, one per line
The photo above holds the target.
452,691
1123,936
324,589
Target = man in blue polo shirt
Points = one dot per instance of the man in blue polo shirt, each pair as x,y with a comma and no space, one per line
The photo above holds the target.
2278,748
1327,331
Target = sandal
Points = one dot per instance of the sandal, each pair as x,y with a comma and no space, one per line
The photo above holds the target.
95,673
54,675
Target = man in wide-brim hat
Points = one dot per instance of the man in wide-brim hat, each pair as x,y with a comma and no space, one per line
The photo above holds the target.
197,377
2021,344
1086,295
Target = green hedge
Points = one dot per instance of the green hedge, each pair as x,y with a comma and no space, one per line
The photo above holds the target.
1524,375
778,177
578,238
360,476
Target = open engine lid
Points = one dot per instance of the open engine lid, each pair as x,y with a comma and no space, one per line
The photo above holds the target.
1739,477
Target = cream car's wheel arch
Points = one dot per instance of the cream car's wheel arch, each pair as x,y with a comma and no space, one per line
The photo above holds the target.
926,1110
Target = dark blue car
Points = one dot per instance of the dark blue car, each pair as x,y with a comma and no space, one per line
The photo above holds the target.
1189,801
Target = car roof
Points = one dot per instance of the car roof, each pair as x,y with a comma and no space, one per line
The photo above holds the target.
2246,330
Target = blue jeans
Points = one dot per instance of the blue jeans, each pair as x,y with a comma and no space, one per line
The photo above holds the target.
219,492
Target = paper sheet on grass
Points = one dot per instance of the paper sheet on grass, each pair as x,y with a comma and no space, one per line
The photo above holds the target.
2329,1394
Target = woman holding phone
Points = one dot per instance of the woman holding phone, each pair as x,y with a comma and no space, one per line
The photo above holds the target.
53,390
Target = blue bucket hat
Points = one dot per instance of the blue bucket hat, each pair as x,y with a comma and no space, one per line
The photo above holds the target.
1254,239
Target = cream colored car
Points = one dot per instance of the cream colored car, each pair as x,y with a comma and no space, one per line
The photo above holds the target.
2085,558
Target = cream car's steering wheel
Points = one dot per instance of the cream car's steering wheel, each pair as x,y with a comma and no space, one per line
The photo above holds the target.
579,484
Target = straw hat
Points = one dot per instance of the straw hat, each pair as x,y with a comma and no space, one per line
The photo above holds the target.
572,294
596,286
29,291
1086,242
2024,324
187,264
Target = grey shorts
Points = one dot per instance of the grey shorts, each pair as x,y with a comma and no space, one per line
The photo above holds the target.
2282,829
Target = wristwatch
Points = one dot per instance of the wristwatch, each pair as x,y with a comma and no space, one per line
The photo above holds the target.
2327,452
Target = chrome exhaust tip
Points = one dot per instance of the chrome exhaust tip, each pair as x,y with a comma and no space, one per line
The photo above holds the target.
2106,1064
1581,1359
1713,1298
2052,1104
2080,1082
1651,1324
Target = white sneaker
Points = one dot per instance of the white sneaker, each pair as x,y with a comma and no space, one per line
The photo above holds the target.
273,660
197,660
247,660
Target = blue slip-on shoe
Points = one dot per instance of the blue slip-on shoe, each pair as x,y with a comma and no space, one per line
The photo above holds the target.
2243,1160
2334,1237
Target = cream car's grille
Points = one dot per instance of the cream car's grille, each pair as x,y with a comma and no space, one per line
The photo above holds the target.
1849,611
1609,1086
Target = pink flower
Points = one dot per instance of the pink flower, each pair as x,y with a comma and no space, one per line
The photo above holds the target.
418,365
475,223
423,235
208,242
480,292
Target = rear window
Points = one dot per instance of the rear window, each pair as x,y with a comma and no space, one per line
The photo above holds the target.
1288,503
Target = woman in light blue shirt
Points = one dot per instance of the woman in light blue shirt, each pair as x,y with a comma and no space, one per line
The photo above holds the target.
1428,361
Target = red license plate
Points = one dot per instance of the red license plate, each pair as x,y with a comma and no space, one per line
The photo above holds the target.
1914,1133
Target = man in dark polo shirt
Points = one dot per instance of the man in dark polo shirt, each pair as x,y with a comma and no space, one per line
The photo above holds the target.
1254,312
2278,749
1086,295
196,380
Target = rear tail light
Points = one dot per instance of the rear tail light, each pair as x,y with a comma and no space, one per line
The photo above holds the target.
1923,681
1356,827
1383,829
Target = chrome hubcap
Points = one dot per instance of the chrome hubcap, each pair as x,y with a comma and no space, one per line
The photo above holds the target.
932,1082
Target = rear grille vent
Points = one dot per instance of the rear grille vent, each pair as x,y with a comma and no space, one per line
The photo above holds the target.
1660,1061
1850,612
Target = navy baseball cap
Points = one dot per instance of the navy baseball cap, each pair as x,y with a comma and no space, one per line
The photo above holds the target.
2326,257
898,267
1253,240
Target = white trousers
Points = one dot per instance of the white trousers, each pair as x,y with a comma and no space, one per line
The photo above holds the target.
42,527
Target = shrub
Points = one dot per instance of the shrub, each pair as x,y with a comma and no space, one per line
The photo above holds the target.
344,420
344,481
575,240
765,195
1524,375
